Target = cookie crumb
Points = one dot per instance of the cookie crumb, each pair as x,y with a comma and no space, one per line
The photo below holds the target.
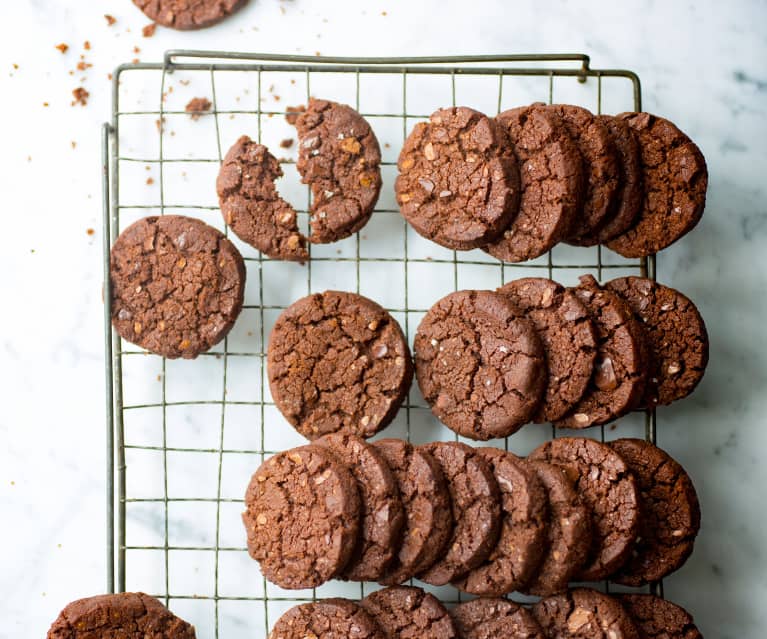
149,181
90,231
82,65
148,30
136,50
62,47
160,124
109,76
45,104
110,19
286,143
15,66
197,107
74,144
81,97
135,61
87,45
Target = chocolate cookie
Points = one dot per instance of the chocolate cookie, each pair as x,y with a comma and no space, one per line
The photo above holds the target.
302,517
339,158
676,336
609,490
601,167
524,517
657,618
475,506
426,500
675,181
338,362
382,514
583,613
458,183
495,619
177,285
628,197
251,205
326,619
479,365
670,513
409,613
188,14
551,181
619,378
568,336
569,531
128,615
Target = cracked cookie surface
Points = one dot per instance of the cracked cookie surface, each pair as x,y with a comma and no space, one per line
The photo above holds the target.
493,619
675,182
657,618
338,362
609,490
188,14
458,183
409,613
177,285
326,619
568,337
479,365
302,517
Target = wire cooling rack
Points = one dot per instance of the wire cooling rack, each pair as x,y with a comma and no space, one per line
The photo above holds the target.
183,437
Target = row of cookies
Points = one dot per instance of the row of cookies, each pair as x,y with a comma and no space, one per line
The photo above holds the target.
482,519
533,176
488,362
410,612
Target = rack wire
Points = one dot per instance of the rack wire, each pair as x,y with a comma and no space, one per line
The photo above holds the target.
183,437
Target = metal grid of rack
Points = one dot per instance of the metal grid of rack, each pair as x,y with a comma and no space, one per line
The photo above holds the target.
183,437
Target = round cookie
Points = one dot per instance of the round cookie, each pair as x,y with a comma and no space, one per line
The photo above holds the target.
475,507
338,362
339,158
551,183
251,205
568,336
675,182
657,618
569,531
495,619
188,14
628,198
382,516
326,619
458,183
302,517
676,336
607,487
426,501
601,167
583,613
479,365
409,613
520,548
177,285
619,378
129,615
670,513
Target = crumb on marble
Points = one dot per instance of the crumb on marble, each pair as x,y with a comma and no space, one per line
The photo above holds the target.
110,19
81,96
62,47
197,107
149,30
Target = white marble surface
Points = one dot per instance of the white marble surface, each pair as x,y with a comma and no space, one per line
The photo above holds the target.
701,65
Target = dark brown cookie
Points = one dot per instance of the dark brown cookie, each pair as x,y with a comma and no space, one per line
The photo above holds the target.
339,158
475,506
458,183
479,365
326,619
338,362
382,515
409,613
524,523
177,285
568,336
251,205
569,531
628,198
128,615
302,517
657,618
676,336
619,379
670,513
601,168
583,613
495,619
188,14
551,181
675,181
426,500
609,490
